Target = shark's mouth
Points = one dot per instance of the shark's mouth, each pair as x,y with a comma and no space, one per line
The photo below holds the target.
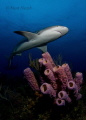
60,32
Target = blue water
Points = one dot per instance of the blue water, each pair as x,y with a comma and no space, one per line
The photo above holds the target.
33,15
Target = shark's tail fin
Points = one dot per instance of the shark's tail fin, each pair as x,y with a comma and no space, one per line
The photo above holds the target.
9,58
10,61
10,66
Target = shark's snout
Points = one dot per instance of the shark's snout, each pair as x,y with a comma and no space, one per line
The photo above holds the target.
63,30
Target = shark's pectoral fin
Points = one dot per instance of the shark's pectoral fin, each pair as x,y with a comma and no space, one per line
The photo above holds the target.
43,48
29,35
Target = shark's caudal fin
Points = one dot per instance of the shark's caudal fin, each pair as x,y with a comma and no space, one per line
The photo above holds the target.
9,65
9,60
28,35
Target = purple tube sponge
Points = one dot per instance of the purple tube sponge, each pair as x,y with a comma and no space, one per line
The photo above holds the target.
78,96
61,75
47,56
47,64
60,102
64,95
31,79
51,77
67,71
78,79
56,81
71,85
48,89
41,62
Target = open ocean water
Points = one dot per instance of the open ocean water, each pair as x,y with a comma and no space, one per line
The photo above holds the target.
34,15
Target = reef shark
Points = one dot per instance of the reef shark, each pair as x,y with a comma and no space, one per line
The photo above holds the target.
38,39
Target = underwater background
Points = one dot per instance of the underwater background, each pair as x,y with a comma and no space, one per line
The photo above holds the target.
34,15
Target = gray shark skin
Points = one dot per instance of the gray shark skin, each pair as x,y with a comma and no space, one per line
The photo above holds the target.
38,39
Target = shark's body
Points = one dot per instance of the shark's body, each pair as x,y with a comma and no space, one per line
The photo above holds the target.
38,39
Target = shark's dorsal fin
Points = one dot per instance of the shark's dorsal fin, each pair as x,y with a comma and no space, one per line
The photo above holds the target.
28,35
43,48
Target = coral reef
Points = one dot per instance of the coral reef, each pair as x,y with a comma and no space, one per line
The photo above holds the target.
19,102
56,81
